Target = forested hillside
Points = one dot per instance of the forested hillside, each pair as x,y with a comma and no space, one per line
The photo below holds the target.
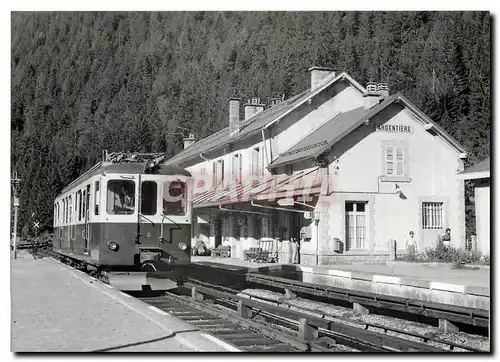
84,82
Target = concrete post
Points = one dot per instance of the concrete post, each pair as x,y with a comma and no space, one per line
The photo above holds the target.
195,295
473,239
306,331
445,326
243,310
359,309
392,249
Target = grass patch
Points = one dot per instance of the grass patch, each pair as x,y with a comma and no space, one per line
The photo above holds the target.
459,257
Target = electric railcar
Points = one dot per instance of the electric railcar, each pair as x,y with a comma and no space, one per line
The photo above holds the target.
129,214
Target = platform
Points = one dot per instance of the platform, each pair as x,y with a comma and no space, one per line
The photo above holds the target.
237,263
56,308
433,282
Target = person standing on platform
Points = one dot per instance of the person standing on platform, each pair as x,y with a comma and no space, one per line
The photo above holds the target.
411,243
444,240
295,257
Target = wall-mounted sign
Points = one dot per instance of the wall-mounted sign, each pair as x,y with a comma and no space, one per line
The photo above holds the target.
394,128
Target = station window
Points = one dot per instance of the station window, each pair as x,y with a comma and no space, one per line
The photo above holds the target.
120,197
395,161
97,197
432,215
218,172
149,193
174,198
257,162
236,169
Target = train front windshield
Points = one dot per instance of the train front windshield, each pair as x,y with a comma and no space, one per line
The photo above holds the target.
174,198
120,197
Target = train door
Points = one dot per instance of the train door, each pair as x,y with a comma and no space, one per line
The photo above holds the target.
148,201
86,240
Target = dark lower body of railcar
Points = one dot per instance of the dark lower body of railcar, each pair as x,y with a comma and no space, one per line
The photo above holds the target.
125,246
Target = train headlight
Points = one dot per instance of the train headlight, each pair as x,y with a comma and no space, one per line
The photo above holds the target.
150,164
113,246
182,246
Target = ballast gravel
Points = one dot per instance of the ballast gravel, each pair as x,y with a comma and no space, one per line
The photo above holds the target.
347,316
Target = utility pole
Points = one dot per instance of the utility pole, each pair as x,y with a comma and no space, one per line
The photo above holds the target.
15,183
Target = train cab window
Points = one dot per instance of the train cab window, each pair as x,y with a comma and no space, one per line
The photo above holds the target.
97,197
148,197
120,197
174,198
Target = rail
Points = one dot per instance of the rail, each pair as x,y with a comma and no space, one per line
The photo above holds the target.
474,317
329,326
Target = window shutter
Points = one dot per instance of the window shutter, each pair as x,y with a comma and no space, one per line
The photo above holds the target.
263,161
255,162
222,171
214,173
240,163
389,160
400,169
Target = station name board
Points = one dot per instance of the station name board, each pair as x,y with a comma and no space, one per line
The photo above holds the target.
394,128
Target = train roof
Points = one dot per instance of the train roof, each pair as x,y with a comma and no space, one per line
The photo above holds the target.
128,168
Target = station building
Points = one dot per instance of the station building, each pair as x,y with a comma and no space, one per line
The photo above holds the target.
343,168
480,174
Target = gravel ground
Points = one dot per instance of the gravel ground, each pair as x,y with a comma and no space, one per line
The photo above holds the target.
346,315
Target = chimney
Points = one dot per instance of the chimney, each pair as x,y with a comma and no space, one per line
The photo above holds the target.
234,115
274,101
372,95
252,107
383,89
189,140
320,75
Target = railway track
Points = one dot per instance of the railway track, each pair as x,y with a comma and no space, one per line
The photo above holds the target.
256,324
473,317
246,335
361,336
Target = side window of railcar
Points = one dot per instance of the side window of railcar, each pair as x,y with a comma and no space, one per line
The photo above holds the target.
79,204
149,192
87,202
174,198
84,199
70,206
120,198
97,197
